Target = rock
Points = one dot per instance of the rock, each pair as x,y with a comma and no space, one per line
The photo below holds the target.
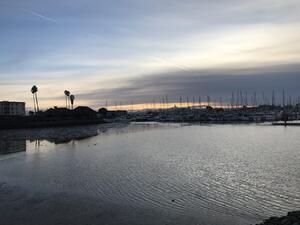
292,218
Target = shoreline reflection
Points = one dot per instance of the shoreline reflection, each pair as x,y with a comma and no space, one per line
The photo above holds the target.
12,146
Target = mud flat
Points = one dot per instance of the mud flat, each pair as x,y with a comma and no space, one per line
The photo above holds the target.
58,134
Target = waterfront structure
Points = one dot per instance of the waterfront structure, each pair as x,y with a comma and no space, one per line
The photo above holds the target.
12,108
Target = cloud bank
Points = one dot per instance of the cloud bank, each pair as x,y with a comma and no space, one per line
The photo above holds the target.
215,83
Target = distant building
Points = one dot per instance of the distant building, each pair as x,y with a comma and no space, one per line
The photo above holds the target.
57,112
12,108
84,111
112,114
118,113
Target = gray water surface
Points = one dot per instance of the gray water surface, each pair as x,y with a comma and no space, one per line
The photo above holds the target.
152,174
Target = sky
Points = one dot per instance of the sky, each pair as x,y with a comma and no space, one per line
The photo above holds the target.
139,50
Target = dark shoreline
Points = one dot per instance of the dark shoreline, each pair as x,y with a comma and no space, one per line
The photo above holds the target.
292,218
285,124
37,122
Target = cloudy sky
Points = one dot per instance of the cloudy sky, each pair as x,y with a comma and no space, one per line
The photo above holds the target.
139,50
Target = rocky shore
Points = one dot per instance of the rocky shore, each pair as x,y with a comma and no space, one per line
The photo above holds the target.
292,218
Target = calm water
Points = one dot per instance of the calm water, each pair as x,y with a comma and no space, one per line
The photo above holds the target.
217,174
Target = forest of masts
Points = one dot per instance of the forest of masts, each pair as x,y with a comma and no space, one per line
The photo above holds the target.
238,99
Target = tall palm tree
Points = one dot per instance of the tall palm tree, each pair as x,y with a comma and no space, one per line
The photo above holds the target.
67,94
34,91
72,98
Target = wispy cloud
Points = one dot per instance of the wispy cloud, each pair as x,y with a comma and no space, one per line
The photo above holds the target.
34,13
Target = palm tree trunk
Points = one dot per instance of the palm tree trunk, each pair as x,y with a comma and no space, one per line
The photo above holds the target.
34,104
37,104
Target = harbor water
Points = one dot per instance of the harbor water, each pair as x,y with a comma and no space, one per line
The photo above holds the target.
149,173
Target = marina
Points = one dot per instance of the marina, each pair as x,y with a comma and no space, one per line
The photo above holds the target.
149,112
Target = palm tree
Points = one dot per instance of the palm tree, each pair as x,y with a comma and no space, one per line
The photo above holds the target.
67,94
72,98
34,91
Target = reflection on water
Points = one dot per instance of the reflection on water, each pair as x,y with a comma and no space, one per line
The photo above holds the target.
13,141
242,171
12,146
61,135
